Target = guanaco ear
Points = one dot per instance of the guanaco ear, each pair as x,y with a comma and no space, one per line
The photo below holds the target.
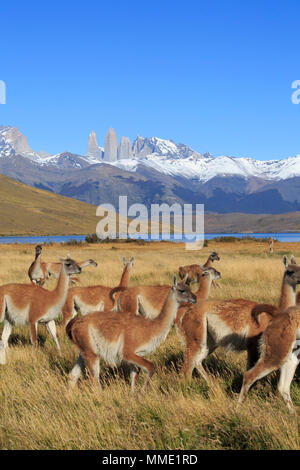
293,260
174,280
185,278
124,260
132,259
202,267
285,262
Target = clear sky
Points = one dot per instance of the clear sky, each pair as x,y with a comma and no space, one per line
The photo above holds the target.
214,75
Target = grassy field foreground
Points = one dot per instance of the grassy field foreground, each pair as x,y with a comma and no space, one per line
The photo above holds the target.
37,411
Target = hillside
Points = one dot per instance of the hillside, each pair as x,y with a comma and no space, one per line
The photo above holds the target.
237,222
29,211
25,210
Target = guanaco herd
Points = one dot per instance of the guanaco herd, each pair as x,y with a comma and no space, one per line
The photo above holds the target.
125,323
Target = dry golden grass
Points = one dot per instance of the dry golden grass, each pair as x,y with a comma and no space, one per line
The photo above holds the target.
37,411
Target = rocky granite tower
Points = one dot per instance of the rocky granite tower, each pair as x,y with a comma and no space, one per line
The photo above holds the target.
124,148
110,146
94,150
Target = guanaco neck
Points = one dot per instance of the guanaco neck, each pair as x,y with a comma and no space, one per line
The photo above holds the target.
166,317
208,263
204,287
62,285
124,282
287,296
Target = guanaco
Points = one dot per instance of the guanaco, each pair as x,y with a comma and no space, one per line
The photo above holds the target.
279,349
232,324
22,304
194,271
124,336
39,271
92,298
36,272
148,300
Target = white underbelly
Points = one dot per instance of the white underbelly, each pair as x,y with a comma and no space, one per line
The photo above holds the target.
222,335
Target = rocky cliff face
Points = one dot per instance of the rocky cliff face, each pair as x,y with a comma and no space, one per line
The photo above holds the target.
14,140
111,146
124,148
94,151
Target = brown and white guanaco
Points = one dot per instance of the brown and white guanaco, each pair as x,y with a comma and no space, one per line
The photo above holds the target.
148,300
279,349
231,324
92,298
39,271
22,304
194,271
118,336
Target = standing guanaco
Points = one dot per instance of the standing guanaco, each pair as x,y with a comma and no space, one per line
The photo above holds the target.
124,336
194,271
148,300
279,349
36,272
92,298
22,304
232,324
39,271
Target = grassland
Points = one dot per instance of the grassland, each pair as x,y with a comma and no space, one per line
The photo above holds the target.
37,411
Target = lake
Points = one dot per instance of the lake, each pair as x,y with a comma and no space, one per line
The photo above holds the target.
282,237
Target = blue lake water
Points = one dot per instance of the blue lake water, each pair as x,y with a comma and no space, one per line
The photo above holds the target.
282,237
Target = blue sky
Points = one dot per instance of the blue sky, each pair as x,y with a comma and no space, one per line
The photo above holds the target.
214,75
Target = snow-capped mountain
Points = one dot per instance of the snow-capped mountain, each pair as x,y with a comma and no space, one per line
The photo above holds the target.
204,169
164,156
155,170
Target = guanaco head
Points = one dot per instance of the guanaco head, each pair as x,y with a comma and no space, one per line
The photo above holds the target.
128,263
38,250
293,260
214,256
70,266
212,272
182,291
91,262
292,272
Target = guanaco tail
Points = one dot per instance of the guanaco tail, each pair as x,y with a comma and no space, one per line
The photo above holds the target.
124,336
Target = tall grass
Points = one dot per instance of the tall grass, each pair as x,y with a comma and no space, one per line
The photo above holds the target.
39,412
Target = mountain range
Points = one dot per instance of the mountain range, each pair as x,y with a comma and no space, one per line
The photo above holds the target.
155,170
